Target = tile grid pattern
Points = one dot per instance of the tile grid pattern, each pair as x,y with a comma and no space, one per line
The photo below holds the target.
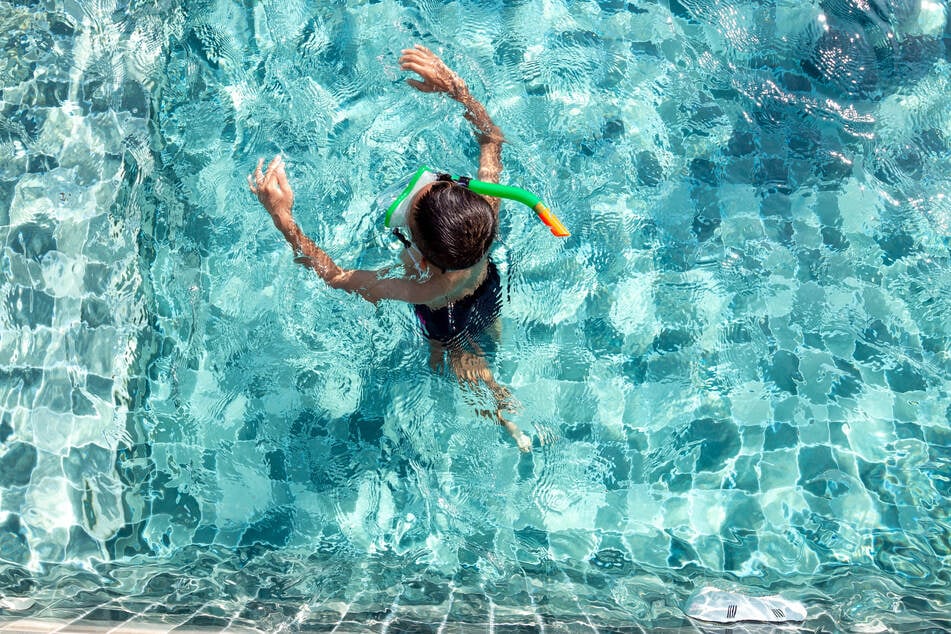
71,298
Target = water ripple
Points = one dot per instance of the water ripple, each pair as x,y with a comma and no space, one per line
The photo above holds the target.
741,351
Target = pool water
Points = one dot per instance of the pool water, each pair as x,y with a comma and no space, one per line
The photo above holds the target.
737,371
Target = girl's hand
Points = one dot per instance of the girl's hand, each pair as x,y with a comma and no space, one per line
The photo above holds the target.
272,189
437,77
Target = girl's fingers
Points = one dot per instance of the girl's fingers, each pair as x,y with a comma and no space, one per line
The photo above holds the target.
417,51
272,167
282,176
275,170
419,69
420,86
416,57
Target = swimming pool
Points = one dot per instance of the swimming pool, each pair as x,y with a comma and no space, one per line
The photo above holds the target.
739,361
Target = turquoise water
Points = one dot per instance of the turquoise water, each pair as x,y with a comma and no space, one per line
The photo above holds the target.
739,362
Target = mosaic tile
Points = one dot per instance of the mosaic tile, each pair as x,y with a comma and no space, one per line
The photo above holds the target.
16,464
778,469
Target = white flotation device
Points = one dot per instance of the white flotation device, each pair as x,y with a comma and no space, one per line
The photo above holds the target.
714,605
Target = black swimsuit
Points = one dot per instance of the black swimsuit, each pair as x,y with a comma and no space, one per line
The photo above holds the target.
453,324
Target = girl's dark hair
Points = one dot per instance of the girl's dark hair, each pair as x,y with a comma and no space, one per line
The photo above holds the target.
454,226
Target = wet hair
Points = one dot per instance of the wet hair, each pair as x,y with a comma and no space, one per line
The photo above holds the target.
454,226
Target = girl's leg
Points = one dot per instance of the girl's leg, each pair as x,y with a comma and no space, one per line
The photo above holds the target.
470,370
